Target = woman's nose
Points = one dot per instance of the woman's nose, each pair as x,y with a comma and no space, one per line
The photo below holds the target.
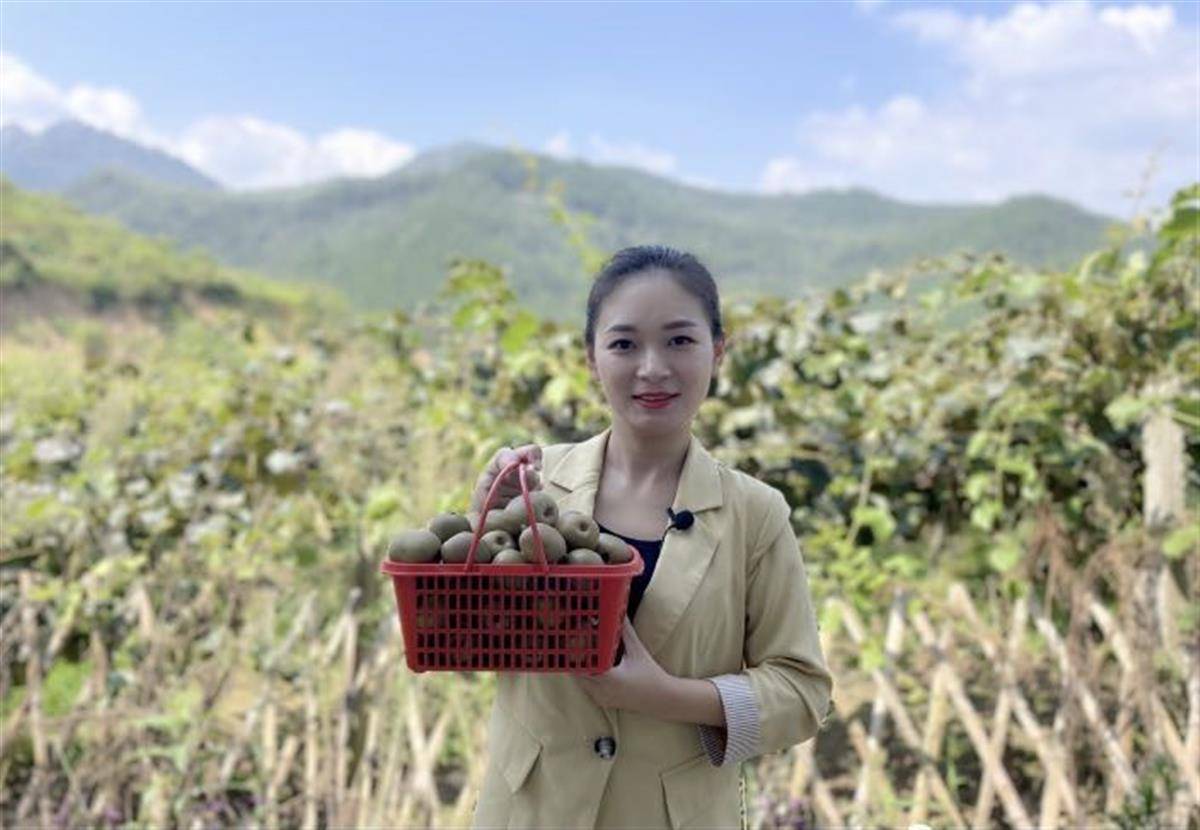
652,364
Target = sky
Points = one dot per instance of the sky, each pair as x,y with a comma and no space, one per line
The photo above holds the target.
951,102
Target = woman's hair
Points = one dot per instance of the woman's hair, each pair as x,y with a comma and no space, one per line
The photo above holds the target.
685,269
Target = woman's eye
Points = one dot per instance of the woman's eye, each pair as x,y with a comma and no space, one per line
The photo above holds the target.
620,345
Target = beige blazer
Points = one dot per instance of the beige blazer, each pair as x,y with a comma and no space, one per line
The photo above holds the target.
728,595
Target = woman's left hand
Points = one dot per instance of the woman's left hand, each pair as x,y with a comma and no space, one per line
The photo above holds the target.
636,683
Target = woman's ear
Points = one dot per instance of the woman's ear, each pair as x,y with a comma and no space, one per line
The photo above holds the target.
719,348
590,354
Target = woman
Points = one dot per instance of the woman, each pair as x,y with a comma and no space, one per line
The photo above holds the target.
721,660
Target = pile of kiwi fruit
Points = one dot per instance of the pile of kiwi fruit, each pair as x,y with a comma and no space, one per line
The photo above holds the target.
569,538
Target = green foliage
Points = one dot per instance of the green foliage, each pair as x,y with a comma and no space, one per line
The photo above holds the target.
890,429
230,467
1147,806
1182,541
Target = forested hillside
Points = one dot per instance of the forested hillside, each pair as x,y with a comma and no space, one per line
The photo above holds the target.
388,241
56,261
70,150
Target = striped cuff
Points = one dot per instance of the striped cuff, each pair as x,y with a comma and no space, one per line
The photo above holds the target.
739,738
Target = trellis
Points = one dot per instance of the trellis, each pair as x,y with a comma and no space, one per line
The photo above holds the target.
311,771
354,742
868,796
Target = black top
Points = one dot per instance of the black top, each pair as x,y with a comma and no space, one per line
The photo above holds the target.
649,549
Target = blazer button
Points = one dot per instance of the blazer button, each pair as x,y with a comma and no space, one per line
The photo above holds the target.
606,747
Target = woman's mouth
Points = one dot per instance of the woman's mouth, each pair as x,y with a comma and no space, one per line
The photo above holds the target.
654,401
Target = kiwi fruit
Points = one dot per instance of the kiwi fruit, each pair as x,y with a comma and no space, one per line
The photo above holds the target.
579,530
497,621
545,508
493,520
446,525
414,546
547,613
492,543
510,556
552,543
500,519
505,519
515,509
577,646
614,549
584,556
455,549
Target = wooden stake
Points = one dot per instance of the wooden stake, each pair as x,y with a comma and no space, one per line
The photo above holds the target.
1009,799
312,748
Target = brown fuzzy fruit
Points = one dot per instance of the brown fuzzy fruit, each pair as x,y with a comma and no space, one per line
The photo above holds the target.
499,519
454,549
547,613
506,520
515,510
445,525
545,508
414,546
552,543
510,556
584,556
494,521
615,550
579,530
578,646
492,543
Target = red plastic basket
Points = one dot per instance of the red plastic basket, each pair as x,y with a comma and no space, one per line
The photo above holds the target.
518,618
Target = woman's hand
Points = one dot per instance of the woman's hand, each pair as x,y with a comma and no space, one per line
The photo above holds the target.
511,485
636,683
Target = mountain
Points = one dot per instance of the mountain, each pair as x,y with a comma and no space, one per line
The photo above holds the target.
388,241
56,261
70,150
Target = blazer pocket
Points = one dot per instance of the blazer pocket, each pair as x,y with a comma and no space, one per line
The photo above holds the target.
521,752
692,790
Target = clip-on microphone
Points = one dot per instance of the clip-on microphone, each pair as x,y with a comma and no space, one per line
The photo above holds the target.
681,520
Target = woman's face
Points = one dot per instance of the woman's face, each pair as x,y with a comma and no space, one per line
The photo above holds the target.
653,354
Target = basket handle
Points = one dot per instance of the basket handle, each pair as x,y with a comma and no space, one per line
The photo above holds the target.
487,506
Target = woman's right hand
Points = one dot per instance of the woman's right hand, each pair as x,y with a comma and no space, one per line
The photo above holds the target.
511,485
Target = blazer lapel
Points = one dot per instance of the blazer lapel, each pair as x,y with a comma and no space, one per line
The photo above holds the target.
578,472
685,555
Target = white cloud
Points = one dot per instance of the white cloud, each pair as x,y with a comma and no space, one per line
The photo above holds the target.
26,98
358,152
558,145
632,154
258,153
238,151
1068,98
601,150
109,109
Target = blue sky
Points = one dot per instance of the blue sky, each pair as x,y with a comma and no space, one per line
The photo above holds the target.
945,102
